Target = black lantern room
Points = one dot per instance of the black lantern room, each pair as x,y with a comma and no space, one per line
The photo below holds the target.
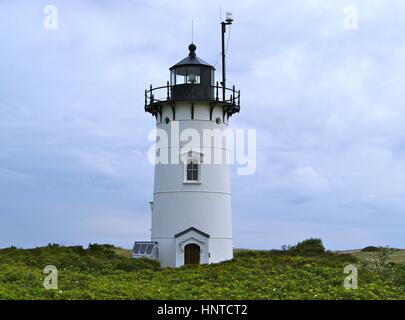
192,78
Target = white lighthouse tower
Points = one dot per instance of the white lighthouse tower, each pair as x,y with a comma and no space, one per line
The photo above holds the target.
191,208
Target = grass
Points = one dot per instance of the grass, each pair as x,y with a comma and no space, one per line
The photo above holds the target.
107,272
398,255
122,252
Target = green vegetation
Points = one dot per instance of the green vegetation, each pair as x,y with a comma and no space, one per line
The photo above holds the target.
106,272
370,249
309,247
397,256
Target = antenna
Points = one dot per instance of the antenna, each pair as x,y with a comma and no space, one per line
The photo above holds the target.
228,22
229,17
192,30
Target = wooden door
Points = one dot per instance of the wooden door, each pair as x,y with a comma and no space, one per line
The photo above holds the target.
192,254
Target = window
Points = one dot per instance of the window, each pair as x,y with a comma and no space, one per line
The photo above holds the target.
193,75
181,75
190,75
207,76
192,163
173,77
193,168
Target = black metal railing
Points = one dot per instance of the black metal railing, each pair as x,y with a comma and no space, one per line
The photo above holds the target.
167,93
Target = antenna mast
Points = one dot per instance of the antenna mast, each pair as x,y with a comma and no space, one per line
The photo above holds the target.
228,21
192,30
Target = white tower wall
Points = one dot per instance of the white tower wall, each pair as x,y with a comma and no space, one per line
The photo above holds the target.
180,205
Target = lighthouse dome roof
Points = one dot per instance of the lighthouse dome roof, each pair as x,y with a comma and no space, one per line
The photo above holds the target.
192,59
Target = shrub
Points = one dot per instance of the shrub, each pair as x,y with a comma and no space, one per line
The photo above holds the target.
370,249
309,247
398,275
380,262
100,247
53,245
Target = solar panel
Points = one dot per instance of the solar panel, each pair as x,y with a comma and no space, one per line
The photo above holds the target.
136,248
143,248
149,248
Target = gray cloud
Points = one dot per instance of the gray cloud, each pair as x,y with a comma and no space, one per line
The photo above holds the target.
327,104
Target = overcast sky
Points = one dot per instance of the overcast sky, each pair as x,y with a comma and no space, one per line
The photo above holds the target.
327,103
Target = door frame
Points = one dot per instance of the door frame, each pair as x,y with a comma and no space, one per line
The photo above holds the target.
190,257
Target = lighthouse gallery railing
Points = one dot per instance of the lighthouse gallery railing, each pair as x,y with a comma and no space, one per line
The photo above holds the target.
164,94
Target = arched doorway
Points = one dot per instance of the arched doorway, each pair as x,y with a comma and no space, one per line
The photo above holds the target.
192,254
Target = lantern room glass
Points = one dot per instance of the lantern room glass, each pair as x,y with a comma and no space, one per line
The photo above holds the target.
192,75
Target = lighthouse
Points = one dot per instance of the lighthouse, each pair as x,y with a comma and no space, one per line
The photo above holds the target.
191,207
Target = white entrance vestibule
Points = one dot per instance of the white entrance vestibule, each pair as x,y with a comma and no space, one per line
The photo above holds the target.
187,238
